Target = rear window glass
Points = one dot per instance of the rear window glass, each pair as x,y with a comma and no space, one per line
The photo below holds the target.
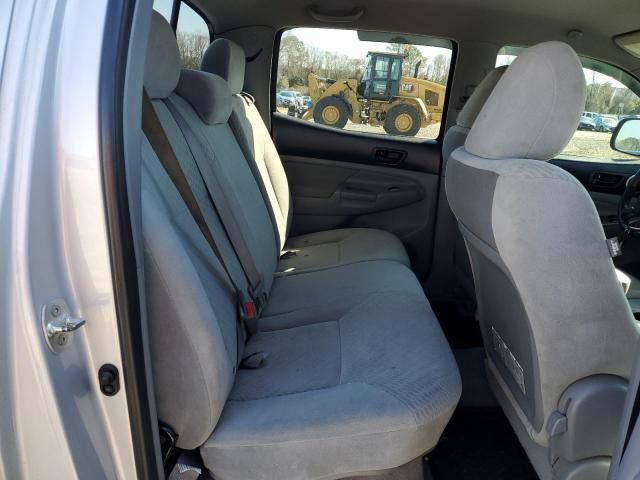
371,82
193,36
192,31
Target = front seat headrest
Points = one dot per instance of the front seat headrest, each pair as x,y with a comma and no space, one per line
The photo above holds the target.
473,106
534,109
226,59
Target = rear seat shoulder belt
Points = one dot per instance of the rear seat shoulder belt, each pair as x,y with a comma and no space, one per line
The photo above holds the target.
157,137
204,157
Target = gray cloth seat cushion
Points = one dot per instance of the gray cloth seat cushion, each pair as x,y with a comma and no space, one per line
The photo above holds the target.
311,297
341,247
315,250
368,389
359,377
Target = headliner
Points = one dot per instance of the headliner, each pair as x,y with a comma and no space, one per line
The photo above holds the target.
499,22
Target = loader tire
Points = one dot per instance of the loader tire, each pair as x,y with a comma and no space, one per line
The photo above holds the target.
402,120
331,111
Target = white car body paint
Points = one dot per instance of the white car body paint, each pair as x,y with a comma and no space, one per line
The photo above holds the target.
54,421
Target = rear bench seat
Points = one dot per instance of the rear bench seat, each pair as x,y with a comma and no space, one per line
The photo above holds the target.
358,376
306,252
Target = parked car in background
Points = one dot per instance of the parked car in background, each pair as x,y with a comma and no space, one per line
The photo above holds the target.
303,104
308,102
605,123
294,102
290,97
587,122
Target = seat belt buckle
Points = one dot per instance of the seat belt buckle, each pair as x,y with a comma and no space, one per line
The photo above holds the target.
249,309
253,361
287,254
258,297
250,305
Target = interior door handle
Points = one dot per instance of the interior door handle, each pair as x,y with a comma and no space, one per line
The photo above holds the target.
390,157
357,195
602,179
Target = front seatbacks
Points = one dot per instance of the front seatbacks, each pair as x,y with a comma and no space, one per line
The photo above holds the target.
550,308
455,138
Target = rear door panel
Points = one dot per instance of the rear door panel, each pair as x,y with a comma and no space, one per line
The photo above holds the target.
341,179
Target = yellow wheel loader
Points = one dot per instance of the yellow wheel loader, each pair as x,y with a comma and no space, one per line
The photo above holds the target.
401,105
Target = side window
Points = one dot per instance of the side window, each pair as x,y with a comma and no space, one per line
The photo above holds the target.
193,36
163,7
192,31
611,96
369,82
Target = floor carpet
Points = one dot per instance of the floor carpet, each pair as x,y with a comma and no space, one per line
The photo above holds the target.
479,444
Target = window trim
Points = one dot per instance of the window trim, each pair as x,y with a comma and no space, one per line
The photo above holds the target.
175,16
125,281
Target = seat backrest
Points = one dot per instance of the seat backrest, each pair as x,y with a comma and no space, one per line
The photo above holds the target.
455,138
191,304
550,307
227,59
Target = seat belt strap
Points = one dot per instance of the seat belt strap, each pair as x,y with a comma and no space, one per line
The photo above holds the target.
247,97
249,156
160,144
204,158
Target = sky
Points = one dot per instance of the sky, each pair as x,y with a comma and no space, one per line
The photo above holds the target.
188,20
347,42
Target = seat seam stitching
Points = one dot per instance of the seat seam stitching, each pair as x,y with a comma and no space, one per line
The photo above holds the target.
329,267
340,437
366,295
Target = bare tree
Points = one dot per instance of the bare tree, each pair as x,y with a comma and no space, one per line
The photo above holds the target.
191,47
297,60
438,69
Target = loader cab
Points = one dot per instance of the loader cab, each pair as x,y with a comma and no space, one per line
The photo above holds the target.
381,77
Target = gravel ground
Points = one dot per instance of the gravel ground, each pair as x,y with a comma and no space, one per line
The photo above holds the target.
595,146
429,132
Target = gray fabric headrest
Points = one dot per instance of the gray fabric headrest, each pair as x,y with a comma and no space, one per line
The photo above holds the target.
162,64
208,94
227,59
471,109
535,107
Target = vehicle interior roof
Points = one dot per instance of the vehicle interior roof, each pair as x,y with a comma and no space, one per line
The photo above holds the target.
499,22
